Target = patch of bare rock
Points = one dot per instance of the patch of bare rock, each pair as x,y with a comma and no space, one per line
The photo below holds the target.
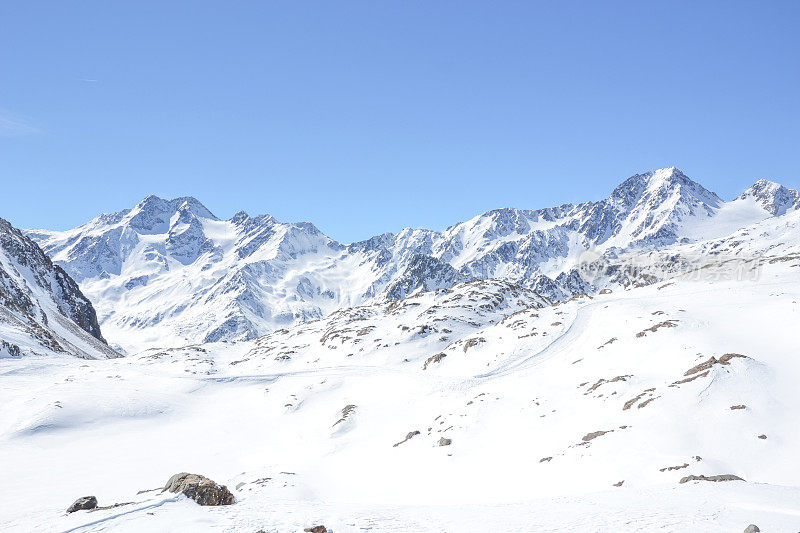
706,365
433,359
601,381
671,468
627,405
717,478
410,435
346,412
594,435
656,327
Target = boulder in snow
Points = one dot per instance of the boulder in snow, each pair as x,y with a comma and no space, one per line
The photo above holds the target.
82,504
200,489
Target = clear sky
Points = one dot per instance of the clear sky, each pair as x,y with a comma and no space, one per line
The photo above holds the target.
367,117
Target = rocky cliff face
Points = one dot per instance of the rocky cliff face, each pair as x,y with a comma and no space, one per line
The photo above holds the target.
773,197
42,307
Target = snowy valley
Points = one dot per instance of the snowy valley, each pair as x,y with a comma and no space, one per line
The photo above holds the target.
590,367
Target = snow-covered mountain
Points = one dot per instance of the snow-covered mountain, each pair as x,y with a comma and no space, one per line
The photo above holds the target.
169,272
43,311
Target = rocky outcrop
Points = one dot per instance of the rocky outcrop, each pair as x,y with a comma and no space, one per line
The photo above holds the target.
433,359
717,478
200,489
346,412
83,504
706,365
594,435
410,435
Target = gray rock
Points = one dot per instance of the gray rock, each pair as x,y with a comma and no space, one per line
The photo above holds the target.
200,489
316,529
752,528
445,442
594,435
82,504
718,478
410,435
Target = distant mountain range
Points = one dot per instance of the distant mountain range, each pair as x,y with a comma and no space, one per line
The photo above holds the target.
169,272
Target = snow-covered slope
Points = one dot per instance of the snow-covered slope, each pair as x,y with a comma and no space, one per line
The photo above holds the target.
472,408
169,272
43,311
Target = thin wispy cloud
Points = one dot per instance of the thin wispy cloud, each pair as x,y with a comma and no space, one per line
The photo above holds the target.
88,80
11,125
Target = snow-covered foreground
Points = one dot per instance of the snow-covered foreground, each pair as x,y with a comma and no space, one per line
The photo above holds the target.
547,409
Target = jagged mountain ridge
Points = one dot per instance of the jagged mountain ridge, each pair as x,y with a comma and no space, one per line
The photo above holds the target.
169,271
43,309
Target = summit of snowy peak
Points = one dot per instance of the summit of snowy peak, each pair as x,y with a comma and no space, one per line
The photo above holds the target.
656,208
152,215
239,217
659,185
773,197
193,205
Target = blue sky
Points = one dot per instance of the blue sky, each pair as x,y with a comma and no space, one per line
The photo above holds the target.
366,117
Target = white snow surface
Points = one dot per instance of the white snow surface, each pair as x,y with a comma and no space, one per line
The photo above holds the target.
519,386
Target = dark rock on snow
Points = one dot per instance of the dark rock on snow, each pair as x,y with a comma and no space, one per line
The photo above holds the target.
82,504
722,477
410,435
200,489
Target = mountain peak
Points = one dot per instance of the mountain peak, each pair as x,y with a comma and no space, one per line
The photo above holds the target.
773,197
660,184
153,203
152,215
